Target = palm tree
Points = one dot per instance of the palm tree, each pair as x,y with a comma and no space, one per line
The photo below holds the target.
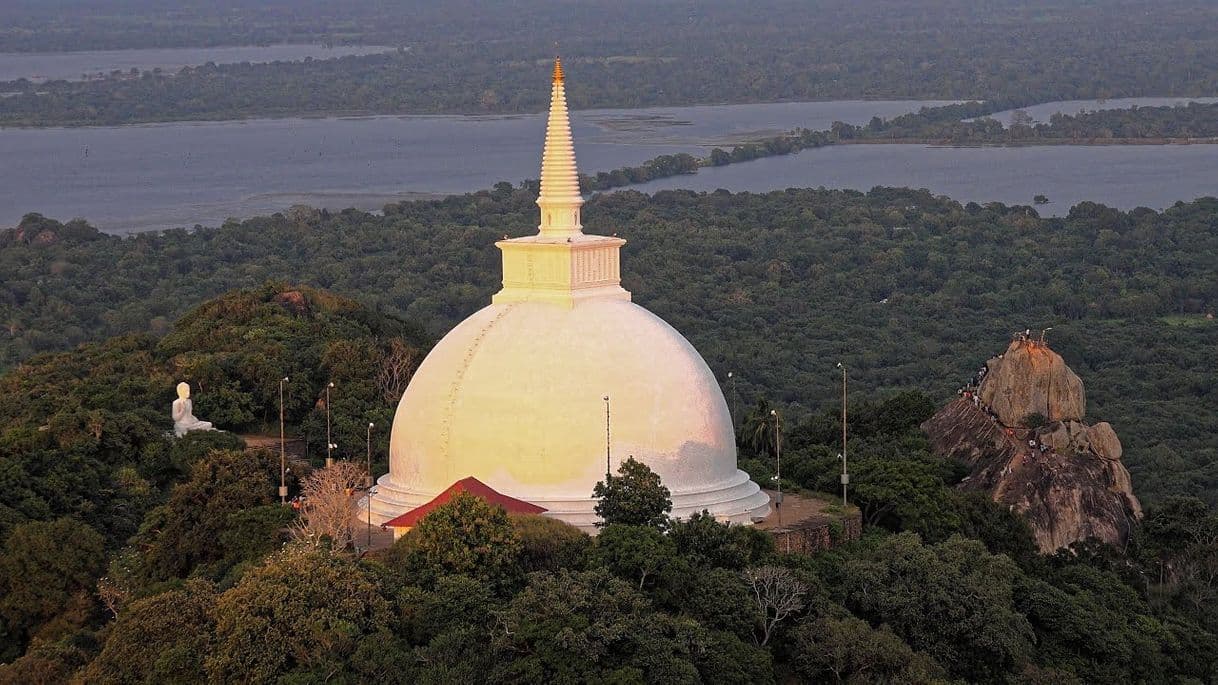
757,430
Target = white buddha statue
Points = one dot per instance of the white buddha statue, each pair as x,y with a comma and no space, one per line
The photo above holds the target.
183,414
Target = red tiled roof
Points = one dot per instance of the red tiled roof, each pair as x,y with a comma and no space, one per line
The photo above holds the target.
472,486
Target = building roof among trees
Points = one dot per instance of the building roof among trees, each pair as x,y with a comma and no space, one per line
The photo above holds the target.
474,487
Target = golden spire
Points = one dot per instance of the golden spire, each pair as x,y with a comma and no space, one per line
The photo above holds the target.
560,265
559,199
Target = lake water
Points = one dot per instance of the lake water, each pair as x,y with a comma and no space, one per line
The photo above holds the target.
1123,176
149,177
1041,113
72,65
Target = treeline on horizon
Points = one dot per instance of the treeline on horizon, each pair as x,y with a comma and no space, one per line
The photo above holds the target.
494,58
912,291
1184,122
959,124
129,556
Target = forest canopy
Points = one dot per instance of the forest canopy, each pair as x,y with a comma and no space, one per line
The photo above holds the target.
188,570
912,291
473,57
127,555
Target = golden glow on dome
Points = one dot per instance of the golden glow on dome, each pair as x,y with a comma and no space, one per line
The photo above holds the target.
513,395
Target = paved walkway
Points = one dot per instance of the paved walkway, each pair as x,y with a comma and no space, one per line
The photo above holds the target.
381,539
796,509
295,447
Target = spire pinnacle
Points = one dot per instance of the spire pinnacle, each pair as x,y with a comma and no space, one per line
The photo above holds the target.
559,199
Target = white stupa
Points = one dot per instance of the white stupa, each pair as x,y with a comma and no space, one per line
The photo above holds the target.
514,395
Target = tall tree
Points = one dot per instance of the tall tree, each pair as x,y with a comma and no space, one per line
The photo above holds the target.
777,595
305,611
327,517
634,497
465,535
159,639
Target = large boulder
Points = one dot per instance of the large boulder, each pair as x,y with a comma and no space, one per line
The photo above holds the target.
1066,436
1030,379
1104,441
1065,477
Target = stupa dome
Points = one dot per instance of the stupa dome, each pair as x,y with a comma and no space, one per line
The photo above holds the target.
515,395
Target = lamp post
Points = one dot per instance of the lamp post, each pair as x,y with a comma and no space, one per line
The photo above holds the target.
283,449
608,466
329,441
778,456
845,473
369,441
1042,334
371,492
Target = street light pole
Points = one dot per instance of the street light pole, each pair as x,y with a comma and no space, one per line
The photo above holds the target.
329,440
778,456
371,492
369,440
283,449
608,465
845,473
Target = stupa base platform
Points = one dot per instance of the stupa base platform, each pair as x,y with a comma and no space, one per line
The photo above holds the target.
736,500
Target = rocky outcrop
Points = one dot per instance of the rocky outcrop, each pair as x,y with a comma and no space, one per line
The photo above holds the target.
294,301
1031,379
1065,477
39,231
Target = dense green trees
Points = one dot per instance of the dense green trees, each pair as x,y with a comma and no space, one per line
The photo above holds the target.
952,600
943,585
465,536
1087,613
849,650
634,497
942,125
911,290
305,610
47,572
475,58
203,593
160,638
84,434
704,541
1193,121
548,544
88,462
638,553
589,626
216,502
1178,543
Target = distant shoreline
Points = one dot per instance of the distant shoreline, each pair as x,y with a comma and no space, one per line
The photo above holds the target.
1039,142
